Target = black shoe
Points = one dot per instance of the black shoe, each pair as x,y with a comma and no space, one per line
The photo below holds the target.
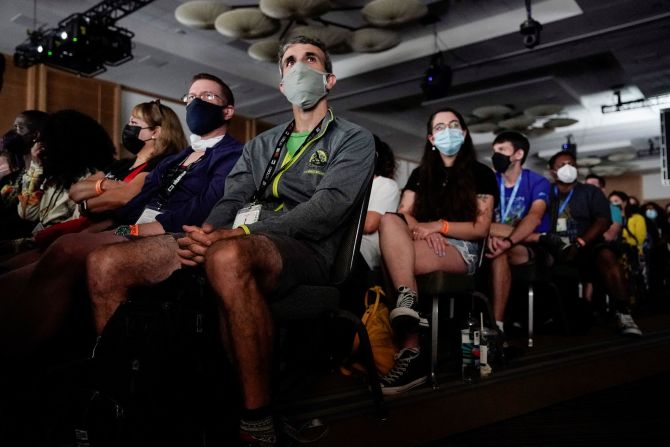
407,373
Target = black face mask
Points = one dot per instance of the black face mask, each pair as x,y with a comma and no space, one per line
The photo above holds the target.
131,140
501,162
202,117
15,144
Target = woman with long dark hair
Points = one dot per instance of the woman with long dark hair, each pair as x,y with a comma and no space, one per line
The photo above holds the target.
444,215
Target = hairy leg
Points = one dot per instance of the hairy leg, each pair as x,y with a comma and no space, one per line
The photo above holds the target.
39,295
242,272
501,275
113,269
397,250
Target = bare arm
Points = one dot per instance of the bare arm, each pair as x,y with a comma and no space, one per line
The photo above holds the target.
116,194
406,207
478,229
372,219
85,189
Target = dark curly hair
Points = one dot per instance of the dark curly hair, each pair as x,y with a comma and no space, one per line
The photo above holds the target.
385,163
74,145
456,201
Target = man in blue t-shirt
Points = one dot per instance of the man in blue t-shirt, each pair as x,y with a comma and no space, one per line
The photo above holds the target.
524,196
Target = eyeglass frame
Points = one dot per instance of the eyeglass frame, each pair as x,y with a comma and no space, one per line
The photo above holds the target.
454,124
185,98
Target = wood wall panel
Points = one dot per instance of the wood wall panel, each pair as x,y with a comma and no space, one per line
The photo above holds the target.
13,96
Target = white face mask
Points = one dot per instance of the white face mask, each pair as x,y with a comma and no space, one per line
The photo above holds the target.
567,174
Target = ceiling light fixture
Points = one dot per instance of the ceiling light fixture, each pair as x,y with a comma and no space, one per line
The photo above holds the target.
530,29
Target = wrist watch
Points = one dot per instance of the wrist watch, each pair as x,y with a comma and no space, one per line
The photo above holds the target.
122,230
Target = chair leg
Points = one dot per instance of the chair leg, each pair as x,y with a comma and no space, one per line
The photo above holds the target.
531,302
433,342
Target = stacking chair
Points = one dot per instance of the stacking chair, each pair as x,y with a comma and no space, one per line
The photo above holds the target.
451,285
307,302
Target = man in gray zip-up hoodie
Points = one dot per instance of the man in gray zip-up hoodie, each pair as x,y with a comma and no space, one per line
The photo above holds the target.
322,167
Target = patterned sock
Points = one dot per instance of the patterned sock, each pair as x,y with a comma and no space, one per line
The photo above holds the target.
258,425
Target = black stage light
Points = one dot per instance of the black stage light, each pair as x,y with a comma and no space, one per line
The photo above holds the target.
437,78
569,146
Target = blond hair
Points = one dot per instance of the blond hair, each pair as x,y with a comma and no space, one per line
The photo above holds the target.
171,138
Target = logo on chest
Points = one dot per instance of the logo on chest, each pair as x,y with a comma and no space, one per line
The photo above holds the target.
319,158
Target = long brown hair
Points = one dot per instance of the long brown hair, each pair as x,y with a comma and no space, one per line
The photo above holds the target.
457,200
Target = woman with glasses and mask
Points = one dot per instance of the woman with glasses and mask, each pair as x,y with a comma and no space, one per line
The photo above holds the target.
444,216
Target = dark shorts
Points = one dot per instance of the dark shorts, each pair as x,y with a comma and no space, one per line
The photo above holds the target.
302,265
587,259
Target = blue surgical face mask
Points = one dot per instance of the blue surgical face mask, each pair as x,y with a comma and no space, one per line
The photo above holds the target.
449,141
651,214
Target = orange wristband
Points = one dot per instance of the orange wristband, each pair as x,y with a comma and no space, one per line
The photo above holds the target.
445,227
134,230
98,186
580,241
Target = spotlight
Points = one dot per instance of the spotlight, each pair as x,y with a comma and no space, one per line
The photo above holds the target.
437,78
530,29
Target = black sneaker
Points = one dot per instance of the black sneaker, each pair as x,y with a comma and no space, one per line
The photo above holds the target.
407,373
405,313
627,325
257,433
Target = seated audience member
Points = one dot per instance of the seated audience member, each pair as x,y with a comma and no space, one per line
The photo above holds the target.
634,232
384,198
71,146
524,196
579,216
21,147
152,133
659,230
613,232
181,189
444,215
278,225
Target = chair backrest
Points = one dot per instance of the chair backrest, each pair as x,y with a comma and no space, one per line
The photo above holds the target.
351,239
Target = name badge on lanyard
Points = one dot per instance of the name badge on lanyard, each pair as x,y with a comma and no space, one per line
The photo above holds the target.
247,215
148,215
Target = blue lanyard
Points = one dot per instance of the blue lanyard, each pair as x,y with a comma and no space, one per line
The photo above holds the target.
562,205
504,211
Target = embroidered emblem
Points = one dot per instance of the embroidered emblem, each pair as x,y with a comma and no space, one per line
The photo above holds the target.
318,158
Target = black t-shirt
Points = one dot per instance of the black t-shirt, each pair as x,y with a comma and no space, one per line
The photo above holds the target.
586,204
485,182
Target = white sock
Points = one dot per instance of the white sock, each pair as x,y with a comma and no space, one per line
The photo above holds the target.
501,326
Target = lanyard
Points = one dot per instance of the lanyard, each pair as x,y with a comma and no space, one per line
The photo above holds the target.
174,177
562,205
505,211
272,164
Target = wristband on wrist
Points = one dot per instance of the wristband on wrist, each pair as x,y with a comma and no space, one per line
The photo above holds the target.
134,230
98,186
445,227
509,239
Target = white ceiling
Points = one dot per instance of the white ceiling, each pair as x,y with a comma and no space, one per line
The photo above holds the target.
587,47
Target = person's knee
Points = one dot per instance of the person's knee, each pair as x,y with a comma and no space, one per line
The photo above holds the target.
228,258
102,266
389,220
66,251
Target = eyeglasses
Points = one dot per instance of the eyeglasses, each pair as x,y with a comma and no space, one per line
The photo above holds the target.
439,127
205,96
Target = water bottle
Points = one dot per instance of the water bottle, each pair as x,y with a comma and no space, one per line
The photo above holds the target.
470,341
